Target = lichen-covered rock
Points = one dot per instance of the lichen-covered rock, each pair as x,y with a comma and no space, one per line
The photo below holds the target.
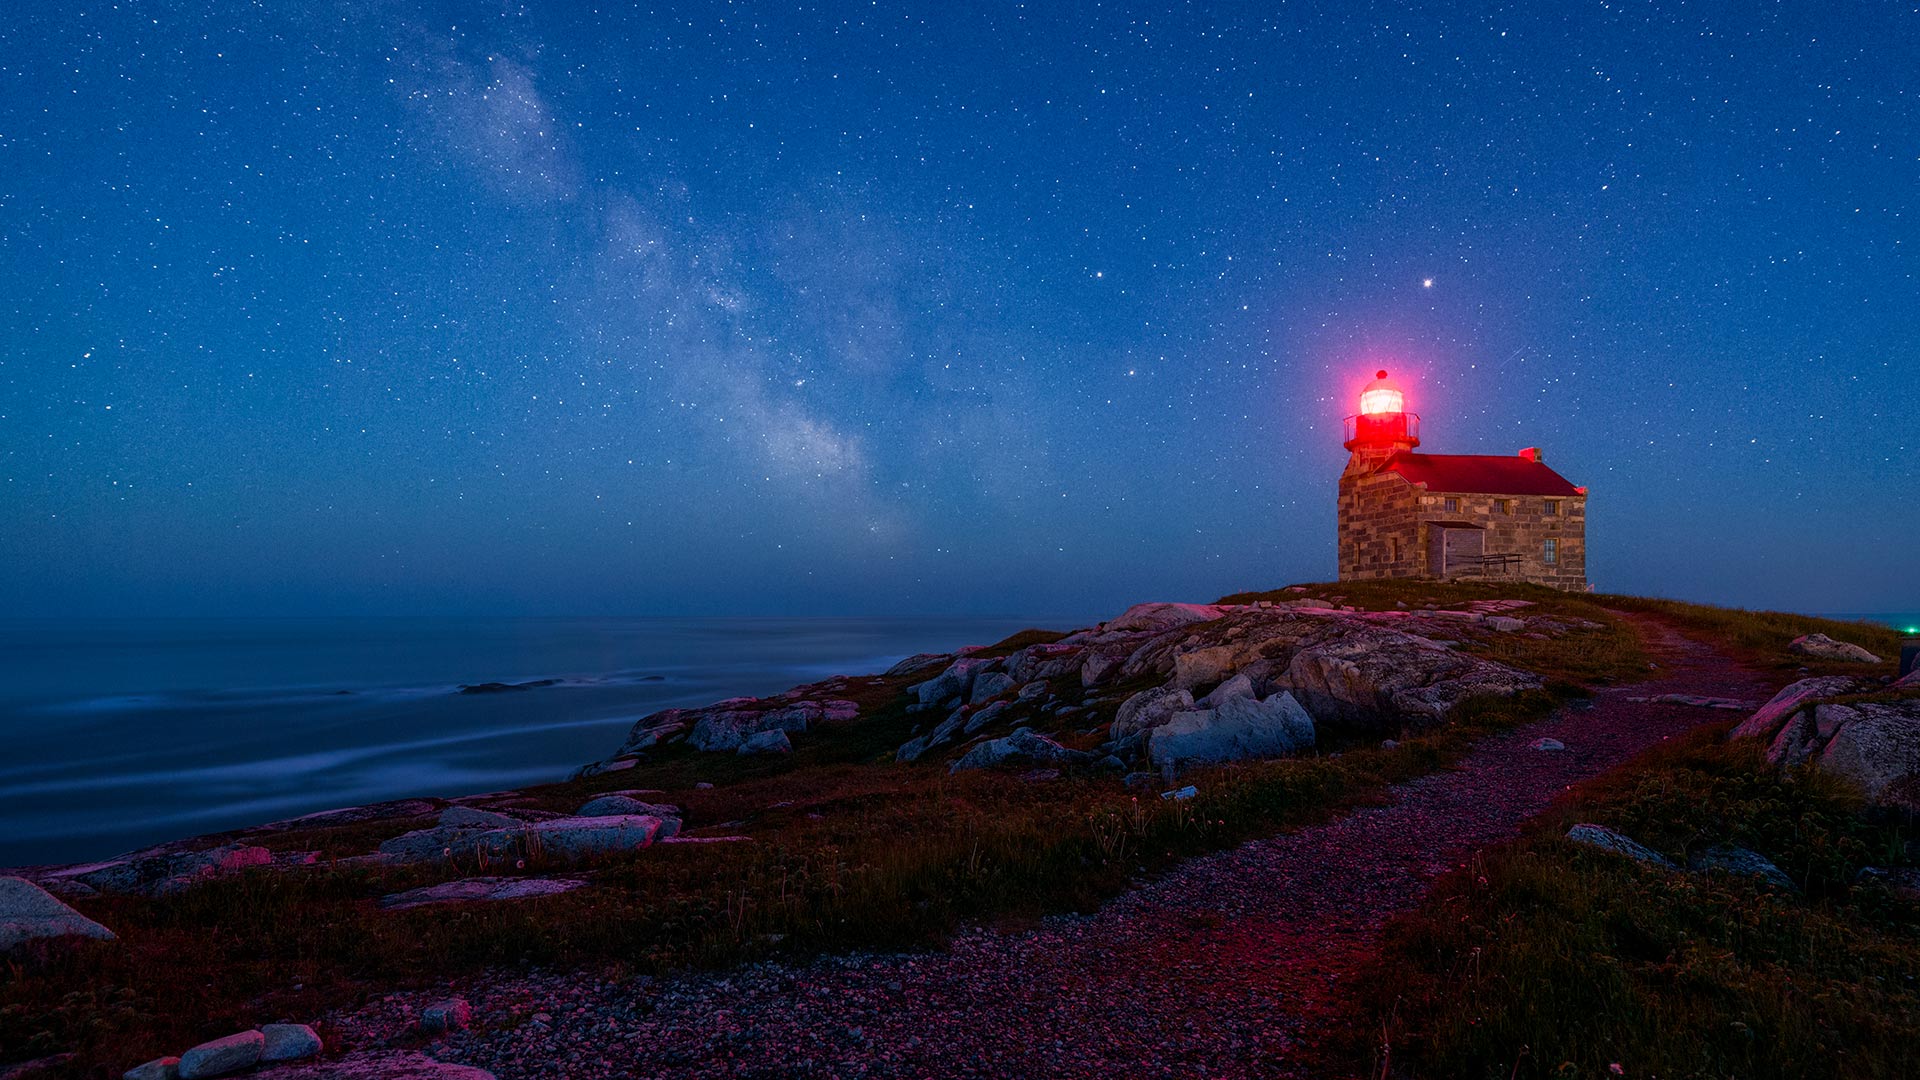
616,803
1822,647
1376,678
1022,749
1149,709
981,718
1873,744
1766,720
1049,661
730,724
1164,616
1240,686
218,1057
1239,729
30,913
160,1068
573,839
163,873
1606,839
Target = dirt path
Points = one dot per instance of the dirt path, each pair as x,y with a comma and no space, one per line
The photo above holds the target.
1217,969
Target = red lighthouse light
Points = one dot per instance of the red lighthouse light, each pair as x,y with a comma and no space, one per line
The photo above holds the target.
1383,422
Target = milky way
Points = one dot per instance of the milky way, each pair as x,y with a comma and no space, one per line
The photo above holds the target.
967,308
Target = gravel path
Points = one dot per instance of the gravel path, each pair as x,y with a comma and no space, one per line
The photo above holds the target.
1216,969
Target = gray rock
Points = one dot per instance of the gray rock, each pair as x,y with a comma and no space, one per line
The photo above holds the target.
466,817
1825,648
1240,686
602,768
1505,624
1022,749
1164,616
1742,863
990,685
440,842
1100,666
288,1042
219,1057
477,890
979,719
1765,722
573,839
1149,709
1031,690
955,681
1239,729
160,1068
617,804
919,662
164,872
1548,744
30,913
1369,677
453,1014
1602,837
1877,748
767,742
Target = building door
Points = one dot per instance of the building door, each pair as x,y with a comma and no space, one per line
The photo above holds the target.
1453,549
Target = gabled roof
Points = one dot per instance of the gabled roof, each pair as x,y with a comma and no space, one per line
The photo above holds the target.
1482,474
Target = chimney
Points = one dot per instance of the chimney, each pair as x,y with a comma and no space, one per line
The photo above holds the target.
1531,453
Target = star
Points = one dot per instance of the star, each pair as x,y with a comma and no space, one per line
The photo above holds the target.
1426,283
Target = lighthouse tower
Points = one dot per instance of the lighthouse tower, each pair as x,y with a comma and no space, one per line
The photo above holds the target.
1485,516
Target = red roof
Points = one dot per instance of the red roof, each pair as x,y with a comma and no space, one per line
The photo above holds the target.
1486,474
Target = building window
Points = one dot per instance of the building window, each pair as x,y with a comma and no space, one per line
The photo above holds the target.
1506,505
1395,542
1453,506
1551,552
1553,507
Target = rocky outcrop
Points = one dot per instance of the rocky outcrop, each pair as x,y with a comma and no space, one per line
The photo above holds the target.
1165,616
954,683
1874,745
1023,749
478,890
164,871
288,1042
1822,647
616,803
727,725
1373,678
1238,729
30,913
767,742
1149,709
559,838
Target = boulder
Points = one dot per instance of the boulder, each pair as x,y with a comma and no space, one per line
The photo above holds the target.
1740,862
288,1042
1606,839
1101,666
466,817
1505,624
1022,749
1240,686
990,685
1877,748
1766,721
218,1057
955,682
477,890
1240,728
160,1068
1032,690
1548,744
1044,662
1822,647
30,913
573,839
162,873
919,662
1164,616
1149,709
766,742
617,803
440,842
981,718
452,1014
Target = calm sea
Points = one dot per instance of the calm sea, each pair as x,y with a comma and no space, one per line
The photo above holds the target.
119,733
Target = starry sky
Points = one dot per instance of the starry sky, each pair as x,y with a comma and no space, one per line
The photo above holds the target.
713,308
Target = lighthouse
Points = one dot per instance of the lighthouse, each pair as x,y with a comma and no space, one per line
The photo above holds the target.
1404,514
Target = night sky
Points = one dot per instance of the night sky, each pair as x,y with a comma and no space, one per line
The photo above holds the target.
948,307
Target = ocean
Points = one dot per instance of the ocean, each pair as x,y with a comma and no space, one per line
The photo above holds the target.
116,734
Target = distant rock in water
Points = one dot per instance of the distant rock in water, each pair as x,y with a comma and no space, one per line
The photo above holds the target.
506,687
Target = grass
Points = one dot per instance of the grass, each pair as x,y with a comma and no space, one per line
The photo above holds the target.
1544,958
1760,637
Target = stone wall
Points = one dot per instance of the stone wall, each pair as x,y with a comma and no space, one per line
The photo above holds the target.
1378,509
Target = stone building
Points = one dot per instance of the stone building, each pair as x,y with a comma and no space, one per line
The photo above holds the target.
1479,516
